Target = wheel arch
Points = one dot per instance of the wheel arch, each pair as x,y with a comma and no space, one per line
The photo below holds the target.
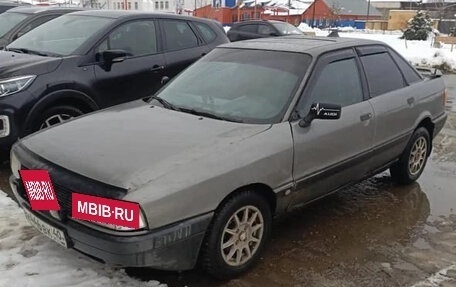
426,122
262,189
66,97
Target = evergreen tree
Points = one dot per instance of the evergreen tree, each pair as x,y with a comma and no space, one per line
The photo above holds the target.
419,26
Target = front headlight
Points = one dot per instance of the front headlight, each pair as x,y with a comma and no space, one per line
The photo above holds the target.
142,224
13,85
15,165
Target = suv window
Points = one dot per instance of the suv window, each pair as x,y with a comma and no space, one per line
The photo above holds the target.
136,38
251,28
383,75
207,33
178,35
338,83
411,76
264,30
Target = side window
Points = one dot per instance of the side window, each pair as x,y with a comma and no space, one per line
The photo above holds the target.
383,76
411,76
35,23
264,30
178,35
136,38
338,83
251,28
207,33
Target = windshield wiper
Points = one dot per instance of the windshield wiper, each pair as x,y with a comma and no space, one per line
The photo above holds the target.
28,51
165,103
209,115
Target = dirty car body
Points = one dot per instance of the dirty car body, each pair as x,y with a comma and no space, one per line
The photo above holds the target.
309,120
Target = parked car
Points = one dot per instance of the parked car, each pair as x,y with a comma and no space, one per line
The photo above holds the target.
87,60
6,5
211,162
17,21
261,29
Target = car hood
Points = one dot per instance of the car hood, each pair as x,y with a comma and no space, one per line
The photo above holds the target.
133,144
14,64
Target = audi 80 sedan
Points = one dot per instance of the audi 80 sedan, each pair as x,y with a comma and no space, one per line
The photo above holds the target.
211,163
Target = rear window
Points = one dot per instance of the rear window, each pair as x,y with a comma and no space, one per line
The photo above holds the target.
208,34
411,76
383,75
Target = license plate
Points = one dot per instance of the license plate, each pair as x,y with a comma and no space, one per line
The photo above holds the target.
50,231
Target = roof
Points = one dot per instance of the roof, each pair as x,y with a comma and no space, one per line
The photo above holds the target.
352,7
41,9
117,14
300,44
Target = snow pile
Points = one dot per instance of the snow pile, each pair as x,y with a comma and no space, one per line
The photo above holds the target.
419,53
28,258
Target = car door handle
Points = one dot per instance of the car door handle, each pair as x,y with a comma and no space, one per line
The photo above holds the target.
410,101
157,68
365,117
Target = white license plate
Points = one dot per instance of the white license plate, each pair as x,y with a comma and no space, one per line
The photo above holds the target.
50,231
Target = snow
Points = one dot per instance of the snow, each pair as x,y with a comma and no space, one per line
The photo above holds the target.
419,53
28,258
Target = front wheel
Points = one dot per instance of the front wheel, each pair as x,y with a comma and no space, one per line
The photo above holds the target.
237,236
413,160
56,115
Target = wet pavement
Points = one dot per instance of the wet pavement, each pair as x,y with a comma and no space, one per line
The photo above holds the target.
373,234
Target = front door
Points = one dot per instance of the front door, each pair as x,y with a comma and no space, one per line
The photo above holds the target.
331,153
140,74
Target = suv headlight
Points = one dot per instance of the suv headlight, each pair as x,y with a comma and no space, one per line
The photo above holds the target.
13,85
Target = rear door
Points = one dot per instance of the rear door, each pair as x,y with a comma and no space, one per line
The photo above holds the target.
182,46
331,153
140,74
392,101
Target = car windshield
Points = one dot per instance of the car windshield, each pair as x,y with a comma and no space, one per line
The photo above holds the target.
250,86
61,36
287,29
8,20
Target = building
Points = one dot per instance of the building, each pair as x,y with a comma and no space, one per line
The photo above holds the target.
326,13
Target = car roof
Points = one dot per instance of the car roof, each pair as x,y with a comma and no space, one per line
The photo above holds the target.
118,14
257,21
41,9
300,44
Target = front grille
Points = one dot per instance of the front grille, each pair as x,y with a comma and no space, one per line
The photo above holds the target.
63,197
64,193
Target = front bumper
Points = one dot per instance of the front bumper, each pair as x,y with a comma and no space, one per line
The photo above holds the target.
174,247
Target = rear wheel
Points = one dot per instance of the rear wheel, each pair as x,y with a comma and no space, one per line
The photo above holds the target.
238,235
413,160
56,115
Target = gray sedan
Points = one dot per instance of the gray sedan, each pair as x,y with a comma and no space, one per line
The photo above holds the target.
252,130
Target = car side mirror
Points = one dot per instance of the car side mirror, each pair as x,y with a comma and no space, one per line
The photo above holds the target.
164,80
109,57
321,111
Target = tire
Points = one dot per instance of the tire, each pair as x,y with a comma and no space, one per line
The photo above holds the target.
55,115
413,160
222,263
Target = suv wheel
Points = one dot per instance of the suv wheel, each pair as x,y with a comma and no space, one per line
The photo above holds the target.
413,160
237,236
56,115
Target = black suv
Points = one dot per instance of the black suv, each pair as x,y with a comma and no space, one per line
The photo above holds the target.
87,60
17,21
261,29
